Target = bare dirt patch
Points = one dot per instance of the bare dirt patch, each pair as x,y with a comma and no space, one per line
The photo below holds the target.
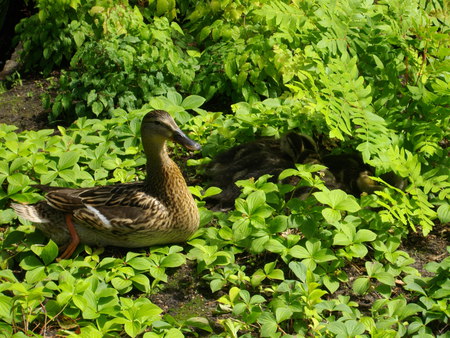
22,106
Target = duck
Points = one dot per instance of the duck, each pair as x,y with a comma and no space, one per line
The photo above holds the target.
158,210
254,159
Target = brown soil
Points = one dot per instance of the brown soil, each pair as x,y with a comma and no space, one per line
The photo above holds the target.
186,295
21,106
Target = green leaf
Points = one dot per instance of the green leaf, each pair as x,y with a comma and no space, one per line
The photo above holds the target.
121,284
282,314
274,246
443,213
47,253
133,328
30,262
241,229
141,282
17,182
338,200
97,108
78,36
217,284
17,164
276,274
255,200
268,324
331,216
299,269
140,263
36,275
364,235
199,322
6,304
385,278
361,285
173,260
192,101
257,277
211,191
330,283
67,160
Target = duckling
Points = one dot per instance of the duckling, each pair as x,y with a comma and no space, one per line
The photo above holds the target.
353,173
366,184
159,210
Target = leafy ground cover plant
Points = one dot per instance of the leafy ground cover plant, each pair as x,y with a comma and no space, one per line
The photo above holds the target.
361,76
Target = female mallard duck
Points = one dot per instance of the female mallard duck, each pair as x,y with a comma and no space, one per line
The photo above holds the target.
157,211
254,159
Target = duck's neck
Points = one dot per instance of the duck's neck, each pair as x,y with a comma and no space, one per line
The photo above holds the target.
164,178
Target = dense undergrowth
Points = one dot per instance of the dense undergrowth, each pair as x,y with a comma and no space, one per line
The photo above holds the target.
367,77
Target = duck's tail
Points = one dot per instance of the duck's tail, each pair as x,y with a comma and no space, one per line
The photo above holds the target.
35,213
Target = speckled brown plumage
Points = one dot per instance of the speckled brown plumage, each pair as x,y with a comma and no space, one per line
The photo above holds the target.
157,211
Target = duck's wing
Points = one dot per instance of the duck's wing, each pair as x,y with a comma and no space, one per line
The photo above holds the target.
109,207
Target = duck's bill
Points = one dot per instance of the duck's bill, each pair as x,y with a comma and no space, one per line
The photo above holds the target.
185,141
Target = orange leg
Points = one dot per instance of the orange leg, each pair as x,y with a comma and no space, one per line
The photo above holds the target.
75,239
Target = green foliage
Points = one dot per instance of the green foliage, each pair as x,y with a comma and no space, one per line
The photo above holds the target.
371,77
116,59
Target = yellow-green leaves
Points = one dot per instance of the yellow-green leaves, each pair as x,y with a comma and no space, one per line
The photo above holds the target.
338,202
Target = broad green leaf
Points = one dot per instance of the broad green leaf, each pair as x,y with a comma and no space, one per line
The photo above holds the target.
276,274
242,229
331,284
337,199
199,322
341,239
67,160
257,277
255,200
175,98
140,263
217,284
330,215
385,278
141,282
192,101
358,250
97,108
299,269
364,235
443,213
133,328
361,285
17,182
36,275
30,262
6,304
173,260
268,324
274,246
17,164
258,244
121,284
282,314
47,253
68,175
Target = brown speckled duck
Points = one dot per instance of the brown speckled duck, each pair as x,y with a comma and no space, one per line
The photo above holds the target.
159,210
254,159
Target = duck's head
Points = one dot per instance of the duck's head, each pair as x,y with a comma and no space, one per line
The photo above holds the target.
297,146
158,127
